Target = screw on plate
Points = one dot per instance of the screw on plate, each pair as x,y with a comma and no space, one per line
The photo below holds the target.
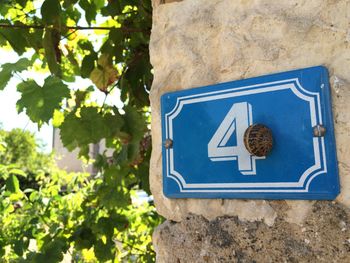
319,130
258,140
168,143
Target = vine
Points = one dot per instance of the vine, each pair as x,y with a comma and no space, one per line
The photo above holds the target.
94,213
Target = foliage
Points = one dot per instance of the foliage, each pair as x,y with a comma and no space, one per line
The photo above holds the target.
20,153
18,147
64,215
105,42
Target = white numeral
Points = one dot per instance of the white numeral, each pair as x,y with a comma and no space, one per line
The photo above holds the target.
238,119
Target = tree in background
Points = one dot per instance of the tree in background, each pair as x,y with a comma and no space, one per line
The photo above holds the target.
107,43
22,149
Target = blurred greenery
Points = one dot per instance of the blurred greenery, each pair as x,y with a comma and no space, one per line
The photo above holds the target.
20,147
45,212
61,213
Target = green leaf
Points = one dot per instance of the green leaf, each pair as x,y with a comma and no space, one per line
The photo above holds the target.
8,69
52,250
121,157
112,197
103,251
113,9
68,3
86,45
117,37
138,77
83,237
5,76
112,193
20,246
90,127
22,2
143,175
51,11
114,122
121,222
99,3
52,53
88,64
90,10
12,184
71,11
105,226
15,37
41,102
34,38
34,196
134,125
18,172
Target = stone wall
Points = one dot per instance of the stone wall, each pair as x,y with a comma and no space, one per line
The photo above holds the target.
203,42
324,237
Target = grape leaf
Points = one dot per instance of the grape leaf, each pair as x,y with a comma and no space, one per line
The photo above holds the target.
78,131
83,237
90,127
50,11
88,64
15,38
104,252
113,196
86,45
41,102
105,74
8,69
90,10
35,38
52,52
135,126
22,2
52,250
113,9
143,174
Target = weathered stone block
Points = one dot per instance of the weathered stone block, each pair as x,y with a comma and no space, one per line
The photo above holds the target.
202,42
323,238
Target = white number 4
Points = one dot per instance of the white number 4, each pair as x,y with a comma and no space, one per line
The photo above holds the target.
238,119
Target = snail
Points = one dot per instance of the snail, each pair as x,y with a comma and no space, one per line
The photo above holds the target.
258,140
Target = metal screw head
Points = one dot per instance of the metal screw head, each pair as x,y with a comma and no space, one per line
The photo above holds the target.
319,130
258,140
168,143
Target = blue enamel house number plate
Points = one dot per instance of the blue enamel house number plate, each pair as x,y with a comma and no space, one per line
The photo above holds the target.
206,152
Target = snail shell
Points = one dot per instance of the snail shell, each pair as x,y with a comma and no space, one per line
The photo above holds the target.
258,140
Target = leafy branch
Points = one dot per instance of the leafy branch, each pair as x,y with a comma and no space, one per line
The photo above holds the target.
81,212
23,26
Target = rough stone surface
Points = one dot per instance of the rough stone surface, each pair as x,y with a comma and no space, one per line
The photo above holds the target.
324,237
202,42
156,3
